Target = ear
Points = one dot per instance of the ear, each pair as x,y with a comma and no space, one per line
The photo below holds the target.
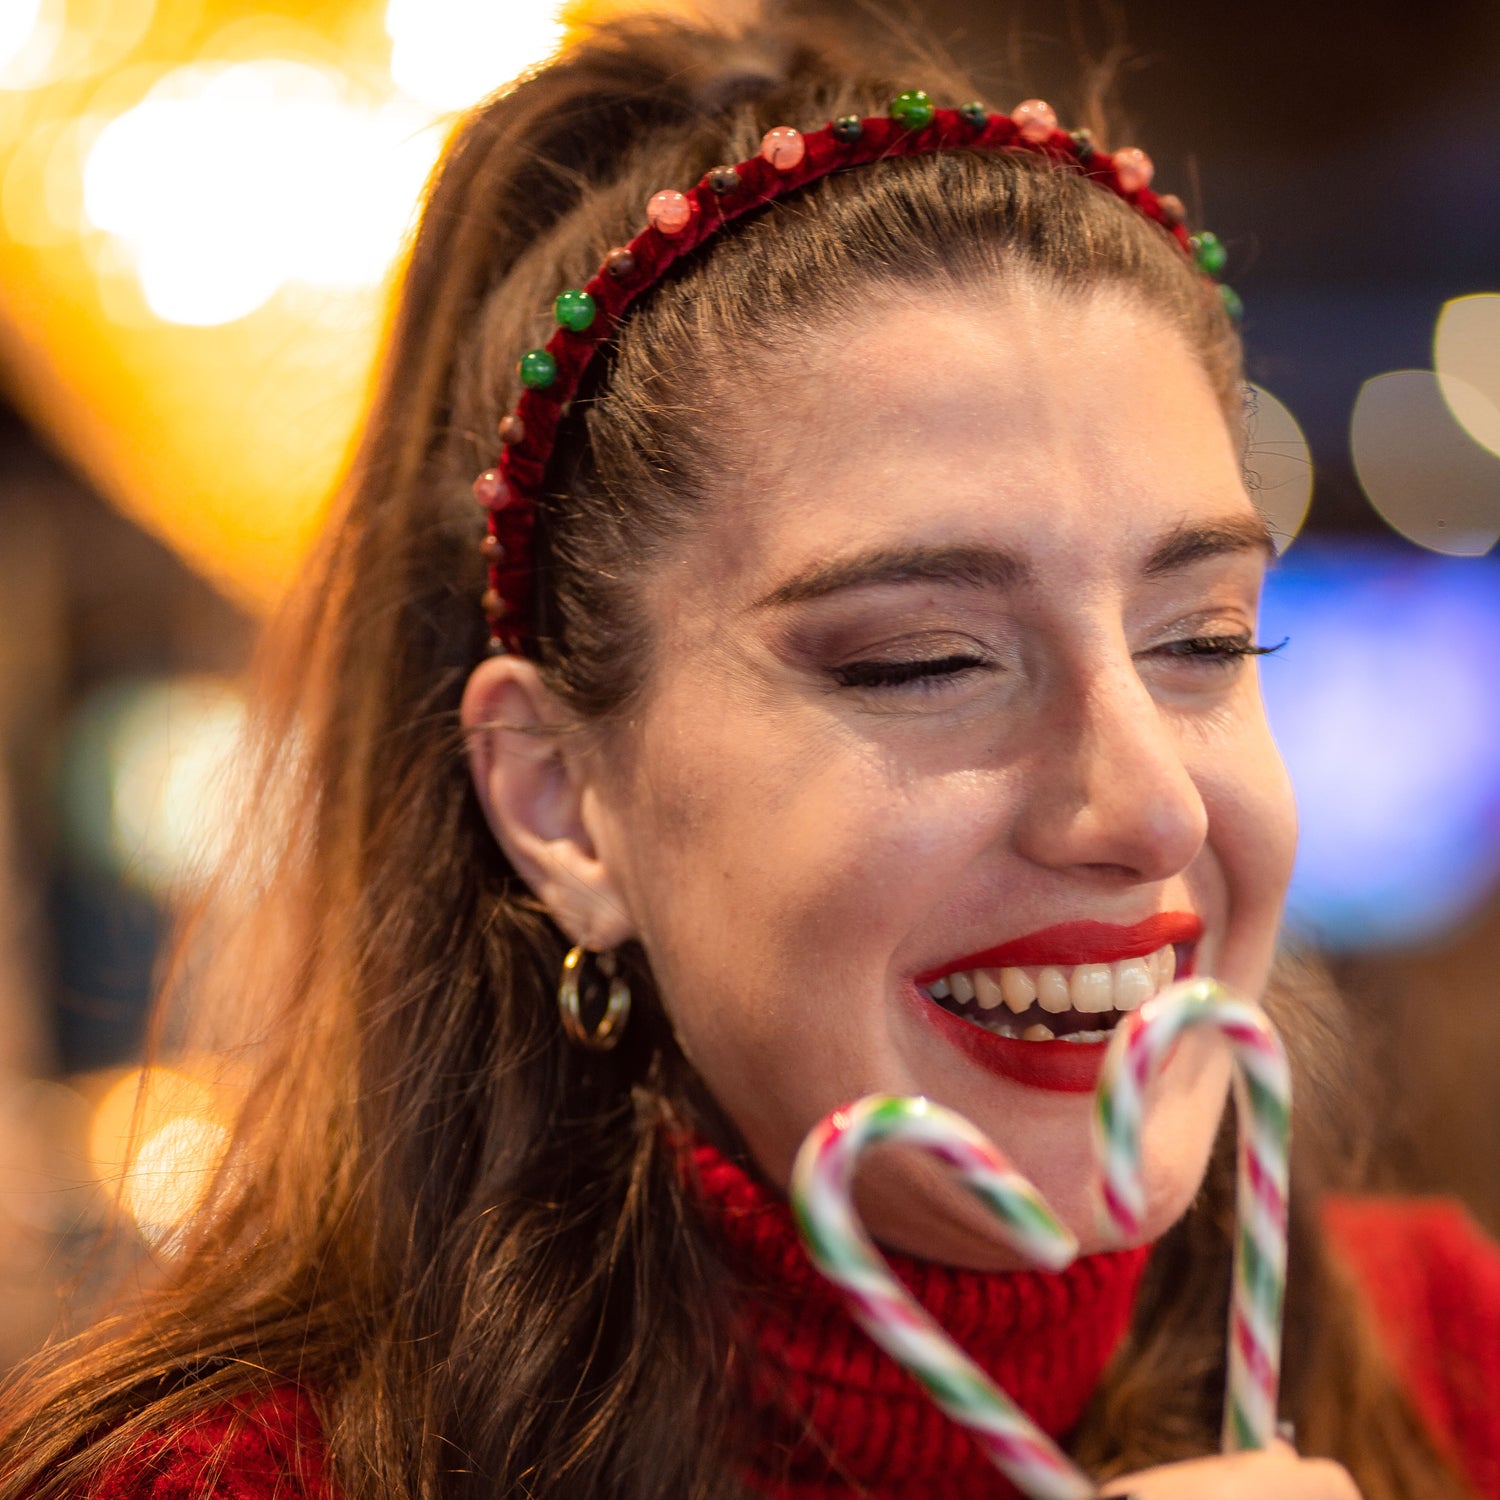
531,773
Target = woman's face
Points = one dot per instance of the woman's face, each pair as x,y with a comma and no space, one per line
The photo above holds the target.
946,743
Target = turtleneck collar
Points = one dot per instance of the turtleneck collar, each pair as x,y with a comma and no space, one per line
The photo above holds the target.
836,1416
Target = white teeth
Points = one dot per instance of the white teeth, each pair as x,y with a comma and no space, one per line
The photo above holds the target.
1017,989
986,991
1052,991
1038,1033
1088,1036
1166,966
1134,982
1092,989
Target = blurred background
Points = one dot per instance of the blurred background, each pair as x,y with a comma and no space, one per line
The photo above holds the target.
200,205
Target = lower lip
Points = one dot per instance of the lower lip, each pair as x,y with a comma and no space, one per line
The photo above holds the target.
1058,1067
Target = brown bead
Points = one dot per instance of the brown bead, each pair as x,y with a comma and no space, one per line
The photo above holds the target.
492,604
724,179
619,262
512,430
492,551
495,646
1171,207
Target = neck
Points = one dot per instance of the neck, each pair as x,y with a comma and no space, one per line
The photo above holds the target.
832,1413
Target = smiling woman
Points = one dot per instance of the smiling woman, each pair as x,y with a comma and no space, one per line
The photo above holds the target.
870,705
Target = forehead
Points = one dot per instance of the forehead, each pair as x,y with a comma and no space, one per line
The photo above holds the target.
1044,423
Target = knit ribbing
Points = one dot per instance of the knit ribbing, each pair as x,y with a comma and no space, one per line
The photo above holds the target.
835,1415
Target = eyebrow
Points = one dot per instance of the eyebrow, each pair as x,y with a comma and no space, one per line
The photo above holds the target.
1185,545
979,566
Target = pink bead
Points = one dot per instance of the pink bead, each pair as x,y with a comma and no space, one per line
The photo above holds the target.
1035,120
669,212
1134,168
784,148
491,491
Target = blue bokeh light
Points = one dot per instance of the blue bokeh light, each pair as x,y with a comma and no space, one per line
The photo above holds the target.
1386,704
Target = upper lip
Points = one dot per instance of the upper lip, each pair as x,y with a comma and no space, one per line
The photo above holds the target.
1070,943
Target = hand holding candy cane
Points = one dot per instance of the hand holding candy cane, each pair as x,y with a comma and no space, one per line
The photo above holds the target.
822,1180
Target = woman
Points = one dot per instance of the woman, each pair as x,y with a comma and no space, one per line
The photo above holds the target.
877,684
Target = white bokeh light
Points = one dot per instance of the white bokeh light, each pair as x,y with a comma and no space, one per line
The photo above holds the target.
1423,472
452,53
18,27
1278,465
1466,356
171,803
227,182
149,785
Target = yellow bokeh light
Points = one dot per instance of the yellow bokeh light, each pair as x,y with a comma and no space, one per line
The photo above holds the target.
228,182
198,240
157,1137
43,42
1466,356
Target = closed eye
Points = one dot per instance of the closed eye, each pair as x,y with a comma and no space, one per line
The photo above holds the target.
893,674
1218,650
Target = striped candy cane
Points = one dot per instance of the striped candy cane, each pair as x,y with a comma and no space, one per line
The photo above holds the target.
1262,1090
822,1199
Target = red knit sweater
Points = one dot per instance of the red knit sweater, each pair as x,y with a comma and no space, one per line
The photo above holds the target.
1432,1278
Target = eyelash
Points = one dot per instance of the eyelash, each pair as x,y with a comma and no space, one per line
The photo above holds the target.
924,672
928,673
1221,650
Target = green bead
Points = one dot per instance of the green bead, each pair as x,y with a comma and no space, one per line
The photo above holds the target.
848,129
975,114
538,369
574,310
1232,304
913,109
1209,252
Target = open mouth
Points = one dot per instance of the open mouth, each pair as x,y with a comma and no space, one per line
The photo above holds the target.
1080,1003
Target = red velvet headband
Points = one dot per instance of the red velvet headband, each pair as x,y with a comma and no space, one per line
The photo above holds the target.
678,223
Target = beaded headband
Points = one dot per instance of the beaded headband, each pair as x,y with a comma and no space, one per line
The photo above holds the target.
678,223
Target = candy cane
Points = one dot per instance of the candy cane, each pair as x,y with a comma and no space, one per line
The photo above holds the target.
1262,1090
822,1181
822,1198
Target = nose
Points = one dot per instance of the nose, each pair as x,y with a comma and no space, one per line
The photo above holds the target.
1109,792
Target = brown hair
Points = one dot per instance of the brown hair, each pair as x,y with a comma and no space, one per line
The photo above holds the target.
462,1235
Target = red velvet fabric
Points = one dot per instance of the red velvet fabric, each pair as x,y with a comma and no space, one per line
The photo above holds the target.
1432,1277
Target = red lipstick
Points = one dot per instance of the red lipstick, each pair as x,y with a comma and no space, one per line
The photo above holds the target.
1070,943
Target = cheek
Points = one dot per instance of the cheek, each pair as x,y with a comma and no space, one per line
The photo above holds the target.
1252,843
775,825
1260,817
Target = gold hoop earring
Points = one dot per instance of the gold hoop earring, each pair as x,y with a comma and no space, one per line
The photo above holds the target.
616,1010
